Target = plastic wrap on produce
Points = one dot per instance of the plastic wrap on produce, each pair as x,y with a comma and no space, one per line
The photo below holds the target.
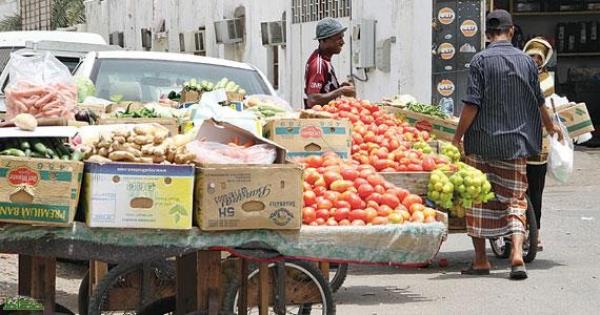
407,244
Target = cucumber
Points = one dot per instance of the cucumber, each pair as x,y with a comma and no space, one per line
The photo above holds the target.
13,152
76,155
25,145
40,148
27,152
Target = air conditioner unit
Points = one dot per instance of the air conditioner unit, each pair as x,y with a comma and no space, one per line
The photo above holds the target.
116,38
273,33
229,31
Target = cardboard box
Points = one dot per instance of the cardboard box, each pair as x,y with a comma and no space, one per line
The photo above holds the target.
303,137
576,118
39,191
127,195
443,129
237,197
169,123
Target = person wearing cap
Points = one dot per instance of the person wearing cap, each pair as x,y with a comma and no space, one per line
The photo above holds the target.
541,52
320,82
502,126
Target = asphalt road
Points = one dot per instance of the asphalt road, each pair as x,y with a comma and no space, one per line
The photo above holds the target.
564,279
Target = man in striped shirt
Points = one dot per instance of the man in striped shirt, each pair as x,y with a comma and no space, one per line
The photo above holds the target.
321,84
502,126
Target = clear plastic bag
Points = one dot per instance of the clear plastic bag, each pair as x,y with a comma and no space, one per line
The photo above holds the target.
560,158
41,86
217,153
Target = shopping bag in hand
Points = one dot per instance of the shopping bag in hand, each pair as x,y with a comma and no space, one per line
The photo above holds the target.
560,159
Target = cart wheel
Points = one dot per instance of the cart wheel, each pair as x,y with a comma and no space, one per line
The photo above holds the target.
340,273
163,306
58,310
128,287
301,278
501,247
83,296
531,242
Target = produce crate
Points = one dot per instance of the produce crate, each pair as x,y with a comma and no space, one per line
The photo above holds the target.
443,129
169,123
189,96
39,191
98,109
415,182
457,224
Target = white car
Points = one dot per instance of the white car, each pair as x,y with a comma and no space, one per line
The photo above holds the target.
148,76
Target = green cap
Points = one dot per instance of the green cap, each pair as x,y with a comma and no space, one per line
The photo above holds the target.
328,27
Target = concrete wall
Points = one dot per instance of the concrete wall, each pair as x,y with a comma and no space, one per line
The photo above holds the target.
408,20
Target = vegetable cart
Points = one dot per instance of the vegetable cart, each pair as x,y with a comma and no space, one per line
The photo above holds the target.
204,281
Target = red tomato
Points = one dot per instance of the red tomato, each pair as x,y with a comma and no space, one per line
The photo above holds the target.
314,161
380,189
377,197
341,185
391,200
308,215
341,204
344,222
372,204
358,222
349,173
306,186
416,207
428,164
332,222
384,211
365,190
319,190
360,181
312,177
357,215
331,196
323,214
341,214
330,177
324,204
310,198
411,199
355,201
402,193
380,165
415,168
371,214
379,221
320,221
375,179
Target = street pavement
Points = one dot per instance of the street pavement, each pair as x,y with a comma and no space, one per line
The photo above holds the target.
564,278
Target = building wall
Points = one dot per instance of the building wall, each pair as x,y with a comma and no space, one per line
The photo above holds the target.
407,20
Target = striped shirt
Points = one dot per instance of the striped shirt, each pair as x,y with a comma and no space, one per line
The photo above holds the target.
504,85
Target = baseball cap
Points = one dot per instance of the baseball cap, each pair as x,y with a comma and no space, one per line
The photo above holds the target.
498,20
328,27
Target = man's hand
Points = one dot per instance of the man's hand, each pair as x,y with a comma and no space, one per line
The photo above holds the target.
555,129
457,142
348,90
347,84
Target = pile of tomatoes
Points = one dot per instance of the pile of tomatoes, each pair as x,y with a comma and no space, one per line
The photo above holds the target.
380,140
340,193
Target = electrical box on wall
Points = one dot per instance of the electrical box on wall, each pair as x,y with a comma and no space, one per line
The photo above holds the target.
363,37
229,31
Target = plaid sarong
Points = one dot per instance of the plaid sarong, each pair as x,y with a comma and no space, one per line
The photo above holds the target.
506,214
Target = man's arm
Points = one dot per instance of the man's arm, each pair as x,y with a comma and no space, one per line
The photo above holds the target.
551,127
466,120
324,98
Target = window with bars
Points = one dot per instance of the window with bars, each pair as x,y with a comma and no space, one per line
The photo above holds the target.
314,10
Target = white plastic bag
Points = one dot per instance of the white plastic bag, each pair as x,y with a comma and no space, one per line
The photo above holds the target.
560,158
41,86
216,153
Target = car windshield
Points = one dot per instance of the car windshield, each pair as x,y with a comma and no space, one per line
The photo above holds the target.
149,80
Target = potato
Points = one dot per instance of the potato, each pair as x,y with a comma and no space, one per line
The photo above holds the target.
122,156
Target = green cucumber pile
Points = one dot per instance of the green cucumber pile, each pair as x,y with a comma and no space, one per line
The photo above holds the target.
44,148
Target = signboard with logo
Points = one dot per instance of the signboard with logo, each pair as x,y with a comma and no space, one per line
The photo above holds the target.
457,37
